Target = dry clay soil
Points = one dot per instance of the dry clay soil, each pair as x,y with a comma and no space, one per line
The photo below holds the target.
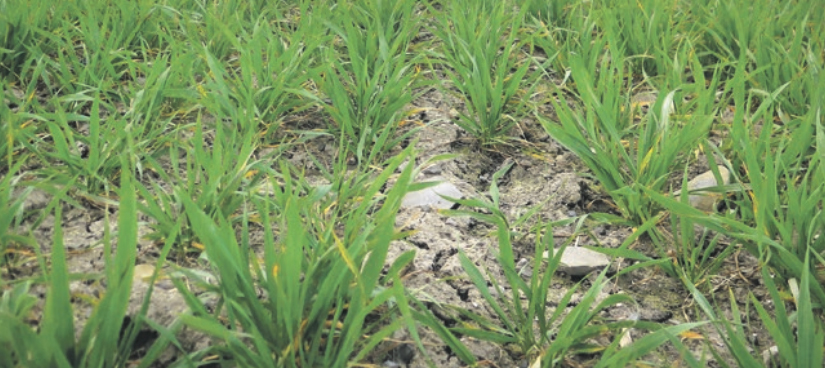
543,172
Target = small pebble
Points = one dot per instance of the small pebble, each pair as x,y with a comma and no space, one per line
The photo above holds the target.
433,170
706,201
431,197
578,261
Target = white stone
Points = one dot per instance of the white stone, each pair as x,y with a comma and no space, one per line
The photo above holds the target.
706,201
577,261
431,196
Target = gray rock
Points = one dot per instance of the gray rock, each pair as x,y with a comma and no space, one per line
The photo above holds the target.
433,170
430,197
706,201
577,261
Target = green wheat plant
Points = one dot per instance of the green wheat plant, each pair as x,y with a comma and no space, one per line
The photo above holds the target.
781,215
215,26
11,208
575,32
779,50
19,27
643,31
585,43
480,54
698,257
187,113
369,87
271,63
779,209
100,342
543,336
321,277
217,179
623,154
86,136
555,14
93,159
96,45
798,333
